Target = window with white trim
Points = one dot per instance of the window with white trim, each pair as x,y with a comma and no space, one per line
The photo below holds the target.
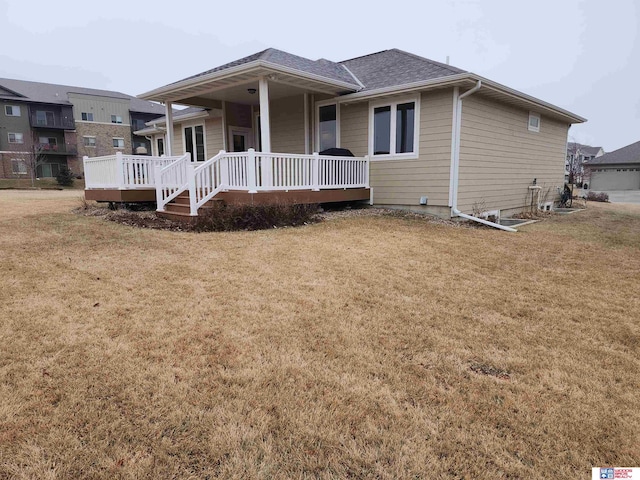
327,127
118,142
534,122
160,144
16,138
116,119
18,167
12,110
89,141
394,128
87,116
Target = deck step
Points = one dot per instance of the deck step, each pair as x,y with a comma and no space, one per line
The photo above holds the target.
184,199
176,216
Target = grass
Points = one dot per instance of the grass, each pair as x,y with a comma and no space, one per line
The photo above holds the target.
48,183
363,347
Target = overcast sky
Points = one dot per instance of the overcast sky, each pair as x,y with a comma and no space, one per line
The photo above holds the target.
583,56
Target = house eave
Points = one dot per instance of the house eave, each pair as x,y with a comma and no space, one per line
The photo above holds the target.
461,79
535,103
181,118
171,92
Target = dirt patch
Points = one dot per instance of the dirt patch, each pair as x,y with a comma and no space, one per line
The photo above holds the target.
490,370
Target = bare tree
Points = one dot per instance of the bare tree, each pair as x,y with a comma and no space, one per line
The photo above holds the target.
35,160
575,167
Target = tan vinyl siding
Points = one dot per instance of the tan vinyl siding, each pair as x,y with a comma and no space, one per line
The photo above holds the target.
239,115
403,182
500,157
178,145
101,107
287,124
213,136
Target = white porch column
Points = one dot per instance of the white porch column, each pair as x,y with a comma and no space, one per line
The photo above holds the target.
168,107
306,124
265,124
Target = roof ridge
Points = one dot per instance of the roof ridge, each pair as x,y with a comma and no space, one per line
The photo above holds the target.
64,86
626,146
419,57
264,54
363,56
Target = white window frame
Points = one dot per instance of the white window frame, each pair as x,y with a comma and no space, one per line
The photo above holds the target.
85,143
533,128
118,138
12,114
193,138
82,114
116,119
326,103
16,134
20,162
155,148
231,131
393,103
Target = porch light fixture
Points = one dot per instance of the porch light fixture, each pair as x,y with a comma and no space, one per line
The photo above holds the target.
252,91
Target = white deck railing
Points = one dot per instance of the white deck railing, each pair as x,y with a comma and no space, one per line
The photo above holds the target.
258,171
249,171
123,172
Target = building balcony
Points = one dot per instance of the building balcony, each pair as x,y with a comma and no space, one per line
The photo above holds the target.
54,122
51,149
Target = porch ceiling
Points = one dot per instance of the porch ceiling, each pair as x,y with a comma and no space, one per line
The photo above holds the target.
240,94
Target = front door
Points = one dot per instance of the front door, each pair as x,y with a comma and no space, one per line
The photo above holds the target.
239,139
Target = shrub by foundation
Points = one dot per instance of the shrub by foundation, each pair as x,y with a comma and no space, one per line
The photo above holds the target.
221,218
598,196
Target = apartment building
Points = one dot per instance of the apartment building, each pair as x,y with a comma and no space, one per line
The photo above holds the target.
45,127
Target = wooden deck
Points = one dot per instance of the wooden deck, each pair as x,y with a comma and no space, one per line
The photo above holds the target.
179,208
121,196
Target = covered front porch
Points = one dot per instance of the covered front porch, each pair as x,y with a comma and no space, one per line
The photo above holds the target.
238,177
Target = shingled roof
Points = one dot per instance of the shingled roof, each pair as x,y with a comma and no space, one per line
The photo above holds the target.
587,150
396,67
59,94
322,67
624,155
355,79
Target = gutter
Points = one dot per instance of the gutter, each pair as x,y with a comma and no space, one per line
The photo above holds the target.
455,161
179,118
533,103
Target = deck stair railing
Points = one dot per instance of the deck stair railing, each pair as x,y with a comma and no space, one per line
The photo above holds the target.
172,179
253,172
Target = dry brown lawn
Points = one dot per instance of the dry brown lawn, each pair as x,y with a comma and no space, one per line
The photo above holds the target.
363,347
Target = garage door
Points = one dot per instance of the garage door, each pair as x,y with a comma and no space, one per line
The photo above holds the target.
616,179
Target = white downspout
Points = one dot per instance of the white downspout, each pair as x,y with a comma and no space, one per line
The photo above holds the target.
455,161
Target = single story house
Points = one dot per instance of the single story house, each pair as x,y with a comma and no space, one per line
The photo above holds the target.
426,136
617,170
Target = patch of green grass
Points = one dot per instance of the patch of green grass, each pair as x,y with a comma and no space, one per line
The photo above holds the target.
78,184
